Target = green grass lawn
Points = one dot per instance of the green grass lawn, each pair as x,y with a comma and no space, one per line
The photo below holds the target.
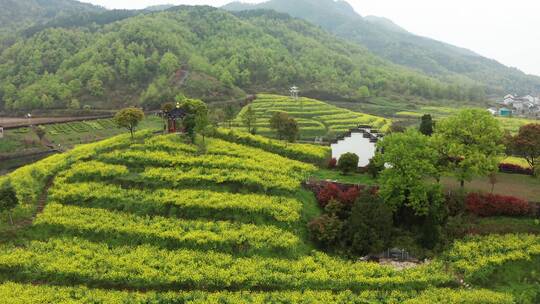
353,178
504,225
522,186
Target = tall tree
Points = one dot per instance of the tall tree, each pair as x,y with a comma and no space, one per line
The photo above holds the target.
526,144
426,126
278,121
291,130
196,119
409,160
249,118
129,118
473,141
229,113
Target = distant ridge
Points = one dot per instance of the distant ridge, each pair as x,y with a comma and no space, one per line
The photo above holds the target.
390,41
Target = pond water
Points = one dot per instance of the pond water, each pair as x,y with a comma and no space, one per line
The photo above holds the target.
357,144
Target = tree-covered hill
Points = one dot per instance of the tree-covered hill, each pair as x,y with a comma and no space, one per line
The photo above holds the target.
385,39
18,13
148,58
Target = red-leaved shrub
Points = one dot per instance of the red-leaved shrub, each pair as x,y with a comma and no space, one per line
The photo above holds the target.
514,169
349,196
496,205
332,163
327,193
331,191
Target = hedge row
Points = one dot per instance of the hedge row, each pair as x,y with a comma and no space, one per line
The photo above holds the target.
39,294
497,205
514,169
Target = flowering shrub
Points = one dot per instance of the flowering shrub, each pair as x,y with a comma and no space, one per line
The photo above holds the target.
514,169
495,205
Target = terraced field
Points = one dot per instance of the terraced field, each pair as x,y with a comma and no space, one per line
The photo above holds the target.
161,221
315,118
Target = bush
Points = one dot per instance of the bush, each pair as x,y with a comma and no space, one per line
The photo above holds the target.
348,162
374,169
332,163
514,169
349,196
455,202
369,229
326,229
497,205
8,198
331,191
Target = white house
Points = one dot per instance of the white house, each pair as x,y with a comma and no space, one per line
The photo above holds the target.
509,96
493,111
508,101
528,98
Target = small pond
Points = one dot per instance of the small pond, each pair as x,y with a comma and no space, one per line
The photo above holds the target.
356,143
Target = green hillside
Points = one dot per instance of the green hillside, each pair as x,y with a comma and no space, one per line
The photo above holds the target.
389,41
315,118
158,221
17,15
149,58
20,13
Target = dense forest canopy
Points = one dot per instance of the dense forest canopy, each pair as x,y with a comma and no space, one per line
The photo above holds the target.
148,58
385,39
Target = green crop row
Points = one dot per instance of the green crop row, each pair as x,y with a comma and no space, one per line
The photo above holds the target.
164,232
253,180
188,203
478,257
218,147
78,261
315,110
17,293
302,152
29,181
95,169
81,126
180,159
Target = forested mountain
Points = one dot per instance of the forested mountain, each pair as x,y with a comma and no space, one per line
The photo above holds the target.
18,13
202,52
385,39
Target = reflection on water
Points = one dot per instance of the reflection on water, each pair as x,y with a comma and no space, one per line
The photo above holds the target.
358,144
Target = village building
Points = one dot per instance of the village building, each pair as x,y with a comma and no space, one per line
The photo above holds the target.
525,106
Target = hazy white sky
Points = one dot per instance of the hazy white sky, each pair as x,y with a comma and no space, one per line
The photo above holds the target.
508,31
